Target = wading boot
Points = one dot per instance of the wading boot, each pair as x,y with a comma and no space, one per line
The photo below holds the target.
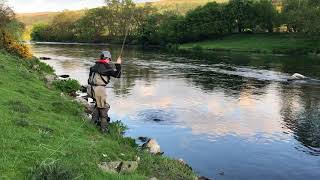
96,117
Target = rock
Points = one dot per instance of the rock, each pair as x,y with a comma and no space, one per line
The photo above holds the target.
73,94
181,161
119,166
129,166
297,76
83,89
65,76
49,78
36,67
203,178
157,120
143,139
110,167
138,158
44,58
153,178
152,146
89,106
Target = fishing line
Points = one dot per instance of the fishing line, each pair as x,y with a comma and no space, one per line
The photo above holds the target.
62,144
125,38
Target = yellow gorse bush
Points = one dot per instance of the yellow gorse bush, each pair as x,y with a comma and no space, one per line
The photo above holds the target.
16,48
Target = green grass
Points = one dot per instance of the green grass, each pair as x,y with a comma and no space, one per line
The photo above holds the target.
266,43
43,133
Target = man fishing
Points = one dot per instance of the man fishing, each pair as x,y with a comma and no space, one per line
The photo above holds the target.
99,78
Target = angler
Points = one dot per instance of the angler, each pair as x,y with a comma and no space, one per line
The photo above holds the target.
99,78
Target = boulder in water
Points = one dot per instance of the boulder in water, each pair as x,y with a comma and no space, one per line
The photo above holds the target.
65,76
297,76
45,58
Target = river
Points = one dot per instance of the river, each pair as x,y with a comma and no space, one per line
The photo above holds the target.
231,116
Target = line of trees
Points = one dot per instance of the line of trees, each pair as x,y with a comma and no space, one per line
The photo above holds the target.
148,26
102,24
237,16
11,32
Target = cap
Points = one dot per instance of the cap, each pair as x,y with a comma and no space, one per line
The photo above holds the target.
106,54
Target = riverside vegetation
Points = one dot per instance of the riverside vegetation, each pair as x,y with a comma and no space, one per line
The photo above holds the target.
218,23
46,136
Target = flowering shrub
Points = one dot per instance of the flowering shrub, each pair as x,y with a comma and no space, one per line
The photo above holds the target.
16,48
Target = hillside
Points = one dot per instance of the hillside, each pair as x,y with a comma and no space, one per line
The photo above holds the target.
44,135
182,6
34,18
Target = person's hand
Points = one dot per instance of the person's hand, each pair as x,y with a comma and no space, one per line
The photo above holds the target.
119,60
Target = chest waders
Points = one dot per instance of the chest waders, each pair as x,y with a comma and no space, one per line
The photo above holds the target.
100,115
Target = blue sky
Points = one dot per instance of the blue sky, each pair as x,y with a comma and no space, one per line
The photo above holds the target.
27,6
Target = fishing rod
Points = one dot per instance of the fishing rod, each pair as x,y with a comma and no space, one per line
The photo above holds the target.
126,34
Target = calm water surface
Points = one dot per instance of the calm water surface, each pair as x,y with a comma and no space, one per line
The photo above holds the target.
229,116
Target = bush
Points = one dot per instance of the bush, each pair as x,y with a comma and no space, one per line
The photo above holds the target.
117,128
67,86
16,48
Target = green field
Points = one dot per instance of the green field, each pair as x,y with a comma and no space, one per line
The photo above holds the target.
265,43
42,132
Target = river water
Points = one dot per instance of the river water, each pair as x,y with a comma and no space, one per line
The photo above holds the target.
231,116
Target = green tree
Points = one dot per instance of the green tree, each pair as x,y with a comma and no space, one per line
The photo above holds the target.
93,25
172,28
63,26
293,15
266,15
149,30
241,14
206,21
41,32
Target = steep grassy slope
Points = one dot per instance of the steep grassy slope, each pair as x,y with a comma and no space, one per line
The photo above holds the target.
43,132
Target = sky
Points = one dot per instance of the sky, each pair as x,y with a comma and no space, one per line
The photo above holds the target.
29,6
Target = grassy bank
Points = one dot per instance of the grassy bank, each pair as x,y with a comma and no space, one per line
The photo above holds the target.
259,43
43,132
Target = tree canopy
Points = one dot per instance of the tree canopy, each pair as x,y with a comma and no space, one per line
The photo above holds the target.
152,26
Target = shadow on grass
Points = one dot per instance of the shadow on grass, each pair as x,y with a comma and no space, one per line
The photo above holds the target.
51,171
67,107
18,106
